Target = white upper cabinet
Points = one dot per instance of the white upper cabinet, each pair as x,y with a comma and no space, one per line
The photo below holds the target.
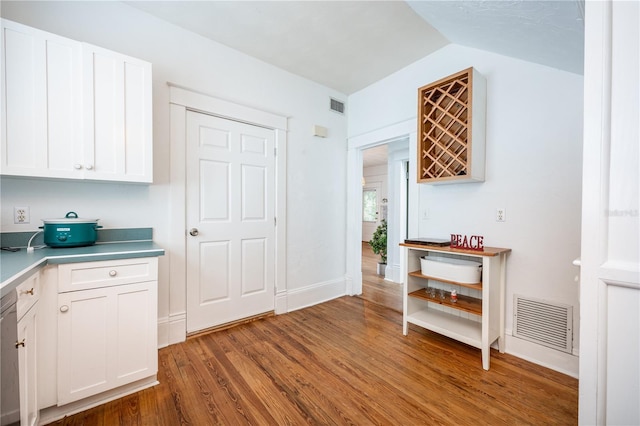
72,110
118,130
41,103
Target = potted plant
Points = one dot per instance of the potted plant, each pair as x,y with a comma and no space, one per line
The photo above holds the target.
379,245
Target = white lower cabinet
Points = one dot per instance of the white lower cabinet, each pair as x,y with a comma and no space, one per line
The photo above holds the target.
28,294
107,334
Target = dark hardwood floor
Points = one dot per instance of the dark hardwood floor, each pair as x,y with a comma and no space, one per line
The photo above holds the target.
343,362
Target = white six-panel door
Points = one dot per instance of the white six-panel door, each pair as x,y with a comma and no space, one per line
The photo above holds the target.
230,221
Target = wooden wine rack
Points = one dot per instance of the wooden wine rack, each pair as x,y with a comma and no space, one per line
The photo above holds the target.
451,117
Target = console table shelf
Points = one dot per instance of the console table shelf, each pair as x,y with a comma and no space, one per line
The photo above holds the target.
464,303
476,319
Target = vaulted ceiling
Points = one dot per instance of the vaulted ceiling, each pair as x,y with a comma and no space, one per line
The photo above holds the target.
347,45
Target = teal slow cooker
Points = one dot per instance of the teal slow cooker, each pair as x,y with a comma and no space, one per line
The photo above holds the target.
70,231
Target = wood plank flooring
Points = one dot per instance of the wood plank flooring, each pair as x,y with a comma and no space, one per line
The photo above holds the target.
374,287
343,362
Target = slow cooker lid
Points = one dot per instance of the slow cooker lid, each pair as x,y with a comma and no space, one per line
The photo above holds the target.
71,217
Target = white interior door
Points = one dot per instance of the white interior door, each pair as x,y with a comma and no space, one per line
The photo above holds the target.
610,273
230,218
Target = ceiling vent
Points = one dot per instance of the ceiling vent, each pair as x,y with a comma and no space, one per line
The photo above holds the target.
337,106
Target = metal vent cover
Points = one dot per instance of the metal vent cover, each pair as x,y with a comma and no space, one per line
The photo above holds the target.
337,106
539,321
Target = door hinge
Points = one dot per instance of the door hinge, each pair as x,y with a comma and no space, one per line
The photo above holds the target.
275,221
275,151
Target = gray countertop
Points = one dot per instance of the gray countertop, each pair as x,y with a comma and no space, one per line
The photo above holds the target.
17,266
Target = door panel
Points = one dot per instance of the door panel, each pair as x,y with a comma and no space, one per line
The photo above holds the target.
214,199
253,193
214,272
254,256
231,203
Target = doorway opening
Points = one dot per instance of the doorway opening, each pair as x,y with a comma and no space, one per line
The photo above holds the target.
384,197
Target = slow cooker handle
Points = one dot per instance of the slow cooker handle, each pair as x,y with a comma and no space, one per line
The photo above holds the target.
69,215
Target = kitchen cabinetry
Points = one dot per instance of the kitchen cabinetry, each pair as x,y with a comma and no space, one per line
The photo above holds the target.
107,333
477,318
117,98
41,103
27,345
451,129
72,110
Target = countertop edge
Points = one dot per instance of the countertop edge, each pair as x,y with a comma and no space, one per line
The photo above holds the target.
10,283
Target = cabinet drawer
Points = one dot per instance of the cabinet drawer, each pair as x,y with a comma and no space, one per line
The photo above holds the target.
88,275
28,293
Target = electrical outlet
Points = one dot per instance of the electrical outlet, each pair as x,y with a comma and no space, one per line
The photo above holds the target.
21,215
501,215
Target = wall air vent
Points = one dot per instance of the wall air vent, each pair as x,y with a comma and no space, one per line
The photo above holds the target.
542,322
337,106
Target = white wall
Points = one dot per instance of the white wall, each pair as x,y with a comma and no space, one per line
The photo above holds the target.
534,155
316,169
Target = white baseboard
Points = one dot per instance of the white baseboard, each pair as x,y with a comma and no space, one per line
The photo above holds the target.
314,294
392,273
281,303
163,332
172,329
551,358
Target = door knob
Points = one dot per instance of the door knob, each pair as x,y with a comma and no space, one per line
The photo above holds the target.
193,232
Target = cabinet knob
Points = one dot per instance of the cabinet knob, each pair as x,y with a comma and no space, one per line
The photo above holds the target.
28,292
89,167
64,308
20,343
77,166
113,273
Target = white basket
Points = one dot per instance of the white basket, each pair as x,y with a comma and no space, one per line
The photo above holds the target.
449,269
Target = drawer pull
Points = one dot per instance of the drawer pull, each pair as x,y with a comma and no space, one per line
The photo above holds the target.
64,308
21,343
28,291
113,273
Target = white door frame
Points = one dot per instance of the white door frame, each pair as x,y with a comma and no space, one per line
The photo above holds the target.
610,255
181,100
356,144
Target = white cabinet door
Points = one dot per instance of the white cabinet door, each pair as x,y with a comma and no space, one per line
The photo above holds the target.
41,103
107,337
27,362
72,110
118,132
9,371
